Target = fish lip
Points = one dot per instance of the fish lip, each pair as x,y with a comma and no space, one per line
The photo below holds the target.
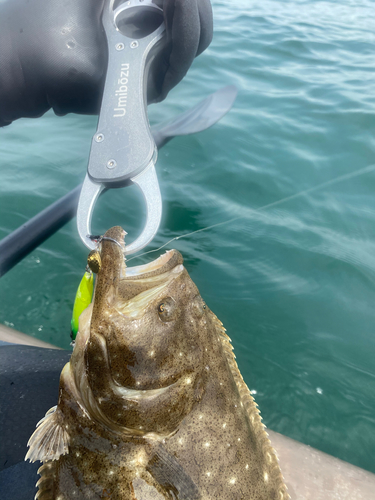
163,264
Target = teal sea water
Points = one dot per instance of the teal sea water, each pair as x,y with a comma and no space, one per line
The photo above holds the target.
293,283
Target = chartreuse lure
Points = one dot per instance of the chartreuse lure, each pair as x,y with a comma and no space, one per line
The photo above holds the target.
82,300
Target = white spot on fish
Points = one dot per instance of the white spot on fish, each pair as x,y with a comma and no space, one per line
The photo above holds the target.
233,480
253,391
208,474
180,441
111,472
224,425
141,459
188,380
247,466
151,354
239,439
265,476
180,354
207,444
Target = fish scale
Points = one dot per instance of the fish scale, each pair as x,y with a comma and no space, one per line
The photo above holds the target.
152,404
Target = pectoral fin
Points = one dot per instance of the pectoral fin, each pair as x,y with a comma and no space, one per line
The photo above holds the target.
167,471
50,440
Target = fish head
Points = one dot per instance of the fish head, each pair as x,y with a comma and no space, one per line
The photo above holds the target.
144,356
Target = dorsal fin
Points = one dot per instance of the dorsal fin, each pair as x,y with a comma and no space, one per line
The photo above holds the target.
252,412
50,440
46,482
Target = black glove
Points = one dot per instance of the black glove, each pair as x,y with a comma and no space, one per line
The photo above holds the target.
53,53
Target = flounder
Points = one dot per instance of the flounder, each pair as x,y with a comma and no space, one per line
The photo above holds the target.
152,404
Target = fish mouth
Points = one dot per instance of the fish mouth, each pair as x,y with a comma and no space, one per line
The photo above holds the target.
140,284
115,267
163,264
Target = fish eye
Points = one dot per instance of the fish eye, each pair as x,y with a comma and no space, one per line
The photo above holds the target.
198,306
167,309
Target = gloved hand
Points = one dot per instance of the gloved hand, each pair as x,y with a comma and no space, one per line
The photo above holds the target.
53,54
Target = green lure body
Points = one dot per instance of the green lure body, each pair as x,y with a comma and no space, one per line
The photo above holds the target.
82,300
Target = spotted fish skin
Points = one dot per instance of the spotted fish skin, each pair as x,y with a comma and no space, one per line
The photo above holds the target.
152,404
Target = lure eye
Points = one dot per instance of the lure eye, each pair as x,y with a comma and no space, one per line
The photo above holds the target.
167,309
94,261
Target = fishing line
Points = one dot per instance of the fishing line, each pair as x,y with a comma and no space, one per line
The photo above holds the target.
336,180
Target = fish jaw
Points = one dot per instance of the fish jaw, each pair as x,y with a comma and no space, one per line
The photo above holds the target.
112,256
